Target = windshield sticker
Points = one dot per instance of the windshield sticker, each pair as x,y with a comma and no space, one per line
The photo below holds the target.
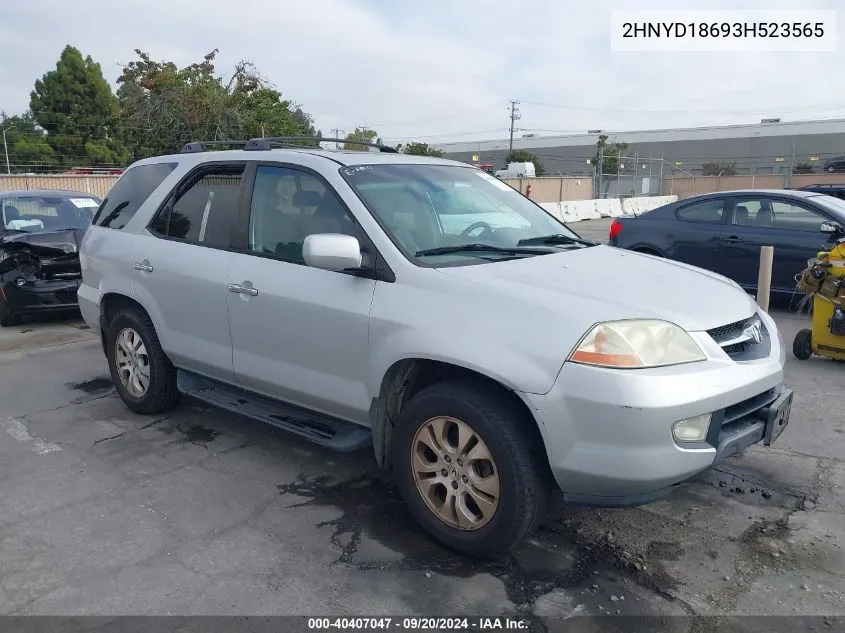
81,203
492,179
351,171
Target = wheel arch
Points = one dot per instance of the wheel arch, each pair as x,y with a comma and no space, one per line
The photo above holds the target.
408,376
110,304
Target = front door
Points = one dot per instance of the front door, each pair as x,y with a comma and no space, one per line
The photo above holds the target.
792,228
299,334
181,267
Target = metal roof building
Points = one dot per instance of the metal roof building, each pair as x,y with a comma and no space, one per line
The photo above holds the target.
768,147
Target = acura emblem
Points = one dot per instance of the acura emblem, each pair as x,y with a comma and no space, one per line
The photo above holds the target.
754,332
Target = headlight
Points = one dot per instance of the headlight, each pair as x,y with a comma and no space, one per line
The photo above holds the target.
637,344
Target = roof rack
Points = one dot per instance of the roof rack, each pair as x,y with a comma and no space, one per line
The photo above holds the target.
268,143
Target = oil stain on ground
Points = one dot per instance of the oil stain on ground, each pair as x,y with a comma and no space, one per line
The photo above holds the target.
371,508
92,385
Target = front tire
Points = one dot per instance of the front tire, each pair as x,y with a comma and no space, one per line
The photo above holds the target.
467,466
143,376
7,317
802,346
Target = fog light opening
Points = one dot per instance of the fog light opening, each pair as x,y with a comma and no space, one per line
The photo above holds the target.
692,429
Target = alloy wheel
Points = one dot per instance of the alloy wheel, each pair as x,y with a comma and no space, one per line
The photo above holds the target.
133,362
455,473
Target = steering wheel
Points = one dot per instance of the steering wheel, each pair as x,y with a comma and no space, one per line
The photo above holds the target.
488,230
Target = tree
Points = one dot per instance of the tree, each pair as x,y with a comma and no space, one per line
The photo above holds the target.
75,105
27,144
165,106
803,168
362,134
609,154
521,156
718,169
419,149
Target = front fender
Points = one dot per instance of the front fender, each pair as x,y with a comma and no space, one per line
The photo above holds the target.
515,368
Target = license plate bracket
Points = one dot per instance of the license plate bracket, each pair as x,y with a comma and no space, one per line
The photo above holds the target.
777,418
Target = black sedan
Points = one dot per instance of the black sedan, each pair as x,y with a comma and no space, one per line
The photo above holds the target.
724,231
40,234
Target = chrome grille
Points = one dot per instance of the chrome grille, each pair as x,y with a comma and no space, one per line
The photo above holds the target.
741,340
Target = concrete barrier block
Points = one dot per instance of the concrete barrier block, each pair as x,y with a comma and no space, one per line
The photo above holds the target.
608,207
646,203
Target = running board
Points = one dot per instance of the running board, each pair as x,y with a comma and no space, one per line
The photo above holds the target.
335,434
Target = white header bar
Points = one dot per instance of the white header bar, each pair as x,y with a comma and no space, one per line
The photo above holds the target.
723,31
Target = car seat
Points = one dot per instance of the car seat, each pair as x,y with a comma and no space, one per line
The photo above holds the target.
741,215
765,216
10,214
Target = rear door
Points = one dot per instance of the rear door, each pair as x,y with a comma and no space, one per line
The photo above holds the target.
694,237
180,268
789,225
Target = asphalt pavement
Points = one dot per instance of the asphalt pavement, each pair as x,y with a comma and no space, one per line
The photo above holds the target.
203,512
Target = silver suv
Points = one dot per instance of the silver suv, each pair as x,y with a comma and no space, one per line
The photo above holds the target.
422,307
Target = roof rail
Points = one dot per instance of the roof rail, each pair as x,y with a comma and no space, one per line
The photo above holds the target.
268,143
263,144
197,147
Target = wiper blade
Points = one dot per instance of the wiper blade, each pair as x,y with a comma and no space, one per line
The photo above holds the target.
556,238
480,248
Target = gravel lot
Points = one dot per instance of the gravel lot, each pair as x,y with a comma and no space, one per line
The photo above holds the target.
202,512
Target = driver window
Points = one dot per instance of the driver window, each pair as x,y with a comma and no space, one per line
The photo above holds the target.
289,205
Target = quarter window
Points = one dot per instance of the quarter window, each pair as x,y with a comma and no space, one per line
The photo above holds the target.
129,192
287,206
206,211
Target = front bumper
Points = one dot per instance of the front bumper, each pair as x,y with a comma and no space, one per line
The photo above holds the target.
40,295
608,433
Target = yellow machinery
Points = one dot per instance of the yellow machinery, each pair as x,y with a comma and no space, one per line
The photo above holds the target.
824,281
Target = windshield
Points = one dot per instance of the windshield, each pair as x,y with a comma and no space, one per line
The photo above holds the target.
42,213
836,205
430,211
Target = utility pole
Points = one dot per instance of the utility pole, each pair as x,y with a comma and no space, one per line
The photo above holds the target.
6,150
791,168
515,116
337,131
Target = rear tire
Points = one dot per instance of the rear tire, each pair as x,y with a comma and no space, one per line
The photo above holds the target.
7,317
143,376
495,490
802,346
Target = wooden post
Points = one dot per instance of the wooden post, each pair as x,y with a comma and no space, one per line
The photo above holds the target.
764,277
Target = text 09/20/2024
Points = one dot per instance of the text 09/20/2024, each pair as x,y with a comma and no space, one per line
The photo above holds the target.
417,624
723,31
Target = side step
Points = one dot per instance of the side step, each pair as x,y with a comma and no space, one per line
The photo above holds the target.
338,435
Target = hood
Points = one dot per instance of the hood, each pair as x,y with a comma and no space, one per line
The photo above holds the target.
53,253
603,283
50,243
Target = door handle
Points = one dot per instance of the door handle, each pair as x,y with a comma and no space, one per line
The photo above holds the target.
243,290
733,239
144,266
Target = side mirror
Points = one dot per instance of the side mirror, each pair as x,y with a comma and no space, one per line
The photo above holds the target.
830,227
332,251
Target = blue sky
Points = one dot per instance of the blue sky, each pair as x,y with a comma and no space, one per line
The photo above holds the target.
437,70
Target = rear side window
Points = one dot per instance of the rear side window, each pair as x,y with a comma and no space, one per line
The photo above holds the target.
129,193
706,211
204,210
